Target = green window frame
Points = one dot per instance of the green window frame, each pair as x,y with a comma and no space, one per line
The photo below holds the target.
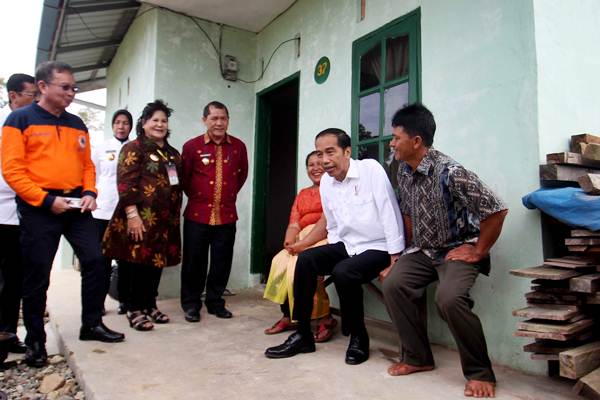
385,66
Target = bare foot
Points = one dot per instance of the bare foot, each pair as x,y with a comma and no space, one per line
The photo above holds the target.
475,388
401,368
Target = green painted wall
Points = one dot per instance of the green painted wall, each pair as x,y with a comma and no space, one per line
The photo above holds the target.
568,80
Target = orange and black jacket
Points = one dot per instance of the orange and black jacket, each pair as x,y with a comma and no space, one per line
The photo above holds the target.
42,152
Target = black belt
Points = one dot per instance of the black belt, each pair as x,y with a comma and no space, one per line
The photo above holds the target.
75,192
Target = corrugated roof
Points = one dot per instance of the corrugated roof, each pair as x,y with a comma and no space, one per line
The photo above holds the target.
85,34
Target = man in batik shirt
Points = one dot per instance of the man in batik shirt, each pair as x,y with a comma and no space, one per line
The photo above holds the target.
452,220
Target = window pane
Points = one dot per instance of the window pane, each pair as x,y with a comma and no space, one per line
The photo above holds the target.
368,117
370,68
368,151
390,164
394,98
396,64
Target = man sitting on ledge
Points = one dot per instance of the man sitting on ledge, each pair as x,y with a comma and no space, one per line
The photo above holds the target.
454,219
364,229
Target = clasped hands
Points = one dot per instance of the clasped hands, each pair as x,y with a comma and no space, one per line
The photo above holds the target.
62,204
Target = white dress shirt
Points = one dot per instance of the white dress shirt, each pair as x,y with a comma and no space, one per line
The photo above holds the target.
8,207
362,210
106,157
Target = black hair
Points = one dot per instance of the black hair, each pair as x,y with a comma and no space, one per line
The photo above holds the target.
312,153
148,112
16,81
45,71
215,104
343,140
416,120
124,112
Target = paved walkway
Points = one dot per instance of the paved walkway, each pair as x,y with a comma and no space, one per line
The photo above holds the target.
223,359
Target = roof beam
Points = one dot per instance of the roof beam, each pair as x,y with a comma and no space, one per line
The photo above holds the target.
90,67
87,46
102,7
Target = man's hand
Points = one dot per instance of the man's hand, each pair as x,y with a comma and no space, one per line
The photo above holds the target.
60,205
466,253
384,273
88,203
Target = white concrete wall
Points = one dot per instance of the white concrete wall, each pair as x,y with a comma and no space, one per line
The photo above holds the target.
567,36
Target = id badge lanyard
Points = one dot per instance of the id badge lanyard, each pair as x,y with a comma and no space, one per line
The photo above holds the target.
171,169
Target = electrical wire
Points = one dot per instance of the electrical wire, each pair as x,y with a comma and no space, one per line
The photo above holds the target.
262,73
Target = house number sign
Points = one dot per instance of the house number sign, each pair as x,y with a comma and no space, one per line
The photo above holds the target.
322,70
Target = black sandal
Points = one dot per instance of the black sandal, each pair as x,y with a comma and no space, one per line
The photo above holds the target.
158,316
139,321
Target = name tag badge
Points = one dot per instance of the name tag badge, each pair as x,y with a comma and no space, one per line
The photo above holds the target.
172,172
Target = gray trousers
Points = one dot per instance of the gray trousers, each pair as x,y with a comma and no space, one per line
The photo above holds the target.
404,289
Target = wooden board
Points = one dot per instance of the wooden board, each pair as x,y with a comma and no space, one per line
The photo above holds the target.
582,138
591,152
548,347
566,157
585,283
538,297
580,361
541,272
552,284
552,335
582,241
589,385
581,233
549,312
537,325
564,173
543,357
568,265
593,298
577,249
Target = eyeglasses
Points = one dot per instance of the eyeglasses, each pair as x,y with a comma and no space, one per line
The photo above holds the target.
27,94
66,87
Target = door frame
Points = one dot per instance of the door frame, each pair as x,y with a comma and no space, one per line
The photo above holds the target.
261,169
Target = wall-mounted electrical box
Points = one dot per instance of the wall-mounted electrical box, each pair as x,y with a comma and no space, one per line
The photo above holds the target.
230,68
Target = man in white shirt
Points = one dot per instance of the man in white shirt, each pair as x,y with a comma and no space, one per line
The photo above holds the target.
21,92
365,234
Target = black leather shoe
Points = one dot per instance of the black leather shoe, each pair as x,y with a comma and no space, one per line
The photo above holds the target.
36,356
295,344
122,309
191,315
100,333
17,347
358,349
220,312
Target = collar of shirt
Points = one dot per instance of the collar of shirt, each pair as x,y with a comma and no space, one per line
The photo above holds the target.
424,167
208,139
352,173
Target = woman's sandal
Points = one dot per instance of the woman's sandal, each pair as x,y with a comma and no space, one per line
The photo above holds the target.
158,316
325,329
284,324
139,321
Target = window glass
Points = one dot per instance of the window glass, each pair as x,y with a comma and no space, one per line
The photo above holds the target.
368,151
368,121
370,68
394,98
396,58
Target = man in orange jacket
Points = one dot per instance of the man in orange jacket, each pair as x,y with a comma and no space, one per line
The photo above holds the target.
46,160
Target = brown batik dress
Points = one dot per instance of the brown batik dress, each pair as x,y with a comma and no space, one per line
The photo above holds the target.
143,180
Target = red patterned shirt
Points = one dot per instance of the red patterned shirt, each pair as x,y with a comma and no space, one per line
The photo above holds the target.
213,174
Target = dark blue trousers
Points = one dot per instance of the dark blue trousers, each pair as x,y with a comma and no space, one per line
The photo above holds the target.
40,234
11,277
197,239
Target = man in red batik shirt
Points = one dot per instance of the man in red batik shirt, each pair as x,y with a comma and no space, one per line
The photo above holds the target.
215,166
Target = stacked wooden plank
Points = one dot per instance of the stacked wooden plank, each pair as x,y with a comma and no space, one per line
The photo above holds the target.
583,241
563,316
579,166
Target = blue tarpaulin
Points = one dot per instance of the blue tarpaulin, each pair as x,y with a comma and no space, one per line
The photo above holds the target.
569,205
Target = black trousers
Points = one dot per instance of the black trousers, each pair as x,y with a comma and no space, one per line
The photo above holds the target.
11,277
144,285
197,240
349,274
404,289
124,281
40,234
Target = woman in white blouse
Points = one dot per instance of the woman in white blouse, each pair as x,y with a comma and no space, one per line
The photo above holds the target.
106,157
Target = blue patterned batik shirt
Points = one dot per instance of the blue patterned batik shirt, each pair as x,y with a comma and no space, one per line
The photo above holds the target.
445,202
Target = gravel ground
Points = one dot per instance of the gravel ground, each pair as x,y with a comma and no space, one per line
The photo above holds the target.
56,381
